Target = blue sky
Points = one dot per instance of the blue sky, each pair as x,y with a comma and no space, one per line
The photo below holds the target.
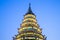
47,14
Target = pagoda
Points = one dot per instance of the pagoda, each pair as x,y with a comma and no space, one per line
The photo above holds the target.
29,29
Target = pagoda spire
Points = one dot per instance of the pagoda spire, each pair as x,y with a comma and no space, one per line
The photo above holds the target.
30,10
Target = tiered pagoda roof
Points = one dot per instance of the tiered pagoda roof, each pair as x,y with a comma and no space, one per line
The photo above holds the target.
29,29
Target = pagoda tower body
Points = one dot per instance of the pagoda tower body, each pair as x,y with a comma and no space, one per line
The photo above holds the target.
29,29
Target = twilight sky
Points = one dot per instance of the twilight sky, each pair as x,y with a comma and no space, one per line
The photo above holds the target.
47,14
